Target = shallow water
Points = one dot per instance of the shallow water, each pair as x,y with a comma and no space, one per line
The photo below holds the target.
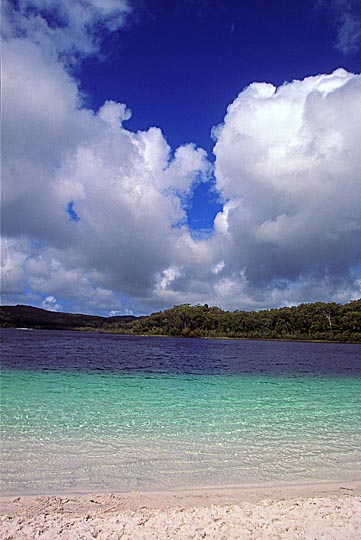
87,412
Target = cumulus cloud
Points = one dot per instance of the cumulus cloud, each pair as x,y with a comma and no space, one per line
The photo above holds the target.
94,215
69,29
91,210
288,162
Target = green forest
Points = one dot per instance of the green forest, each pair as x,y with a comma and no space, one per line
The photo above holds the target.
318,321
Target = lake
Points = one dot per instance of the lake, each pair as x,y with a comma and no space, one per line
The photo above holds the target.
100,412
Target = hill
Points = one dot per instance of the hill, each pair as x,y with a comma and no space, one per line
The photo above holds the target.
317,321
32,317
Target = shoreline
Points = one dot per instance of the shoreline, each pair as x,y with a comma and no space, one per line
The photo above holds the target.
329,510
204,494
243,490
225,338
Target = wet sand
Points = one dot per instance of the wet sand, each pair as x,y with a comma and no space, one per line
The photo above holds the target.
312,511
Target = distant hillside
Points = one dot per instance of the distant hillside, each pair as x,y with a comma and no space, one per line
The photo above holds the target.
317,321
32,317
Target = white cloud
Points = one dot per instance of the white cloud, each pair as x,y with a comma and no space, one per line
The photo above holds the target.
50,304
167,277
125,188
66,28
218,267
12,262
287,164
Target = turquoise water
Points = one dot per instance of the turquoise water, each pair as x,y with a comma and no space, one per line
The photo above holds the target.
72,431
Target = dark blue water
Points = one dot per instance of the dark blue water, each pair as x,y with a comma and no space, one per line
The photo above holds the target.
85,352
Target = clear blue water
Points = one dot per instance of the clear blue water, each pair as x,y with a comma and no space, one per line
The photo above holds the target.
84,412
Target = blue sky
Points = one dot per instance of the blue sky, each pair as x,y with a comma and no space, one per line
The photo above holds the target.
190,151
178,65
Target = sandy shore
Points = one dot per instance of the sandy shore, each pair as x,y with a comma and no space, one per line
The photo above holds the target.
323,511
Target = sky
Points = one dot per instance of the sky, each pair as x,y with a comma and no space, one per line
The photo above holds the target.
189,151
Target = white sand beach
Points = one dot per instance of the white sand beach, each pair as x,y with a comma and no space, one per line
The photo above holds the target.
310,512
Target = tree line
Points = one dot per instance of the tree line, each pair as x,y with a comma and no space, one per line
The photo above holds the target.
317,321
